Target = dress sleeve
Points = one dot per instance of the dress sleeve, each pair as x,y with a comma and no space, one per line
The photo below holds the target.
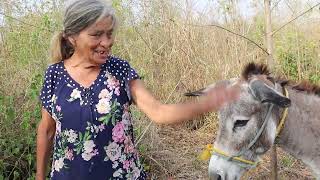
130,74
46,92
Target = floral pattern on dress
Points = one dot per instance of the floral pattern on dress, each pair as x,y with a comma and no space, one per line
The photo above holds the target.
76,94
92,123
122,151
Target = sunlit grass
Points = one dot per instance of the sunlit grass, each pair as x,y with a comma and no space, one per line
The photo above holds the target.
172,56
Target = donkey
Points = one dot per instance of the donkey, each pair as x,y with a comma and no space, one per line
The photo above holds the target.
247,127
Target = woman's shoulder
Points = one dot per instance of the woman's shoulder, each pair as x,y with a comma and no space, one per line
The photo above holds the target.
117,66
117,62
120,69
55,68
54,72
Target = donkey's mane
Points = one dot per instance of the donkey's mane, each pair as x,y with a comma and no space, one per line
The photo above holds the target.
254,69
262,69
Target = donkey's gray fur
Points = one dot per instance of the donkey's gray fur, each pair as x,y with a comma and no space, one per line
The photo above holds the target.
300,135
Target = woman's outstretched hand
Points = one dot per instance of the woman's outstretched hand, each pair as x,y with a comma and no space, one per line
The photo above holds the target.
220,95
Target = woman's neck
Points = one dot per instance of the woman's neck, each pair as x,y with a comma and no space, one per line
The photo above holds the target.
78,62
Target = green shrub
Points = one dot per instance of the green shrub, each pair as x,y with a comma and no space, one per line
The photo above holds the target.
297,55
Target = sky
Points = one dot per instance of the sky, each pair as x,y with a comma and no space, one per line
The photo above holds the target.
246,8
284,10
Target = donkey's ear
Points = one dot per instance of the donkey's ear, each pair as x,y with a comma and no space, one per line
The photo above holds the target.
265,93
203,91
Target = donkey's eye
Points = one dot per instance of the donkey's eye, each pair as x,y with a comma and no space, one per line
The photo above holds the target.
240,123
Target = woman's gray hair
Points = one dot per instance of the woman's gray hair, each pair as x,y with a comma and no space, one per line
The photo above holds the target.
78,15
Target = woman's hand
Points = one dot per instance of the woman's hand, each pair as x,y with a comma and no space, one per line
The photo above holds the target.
220,95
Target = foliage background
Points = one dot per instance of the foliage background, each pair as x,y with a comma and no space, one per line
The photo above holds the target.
169,44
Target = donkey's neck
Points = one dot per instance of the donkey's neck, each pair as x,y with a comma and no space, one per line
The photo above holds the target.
301,133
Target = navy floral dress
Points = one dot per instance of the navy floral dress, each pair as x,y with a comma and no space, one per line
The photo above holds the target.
94,133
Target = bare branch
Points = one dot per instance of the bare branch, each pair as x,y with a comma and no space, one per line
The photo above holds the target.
305,12
275,5
250,40
288,5
25,22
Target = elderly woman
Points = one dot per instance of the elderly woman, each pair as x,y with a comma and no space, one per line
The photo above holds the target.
86,97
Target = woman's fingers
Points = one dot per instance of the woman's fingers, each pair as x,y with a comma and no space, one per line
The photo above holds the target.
221,95
233,92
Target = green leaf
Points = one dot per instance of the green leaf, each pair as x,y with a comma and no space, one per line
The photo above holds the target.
146,167
80,136
78,149
105,119
30,158
86,135
16,150
16,175
113,120
102,119
11,113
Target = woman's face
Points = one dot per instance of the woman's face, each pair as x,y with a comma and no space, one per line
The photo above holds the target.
94,42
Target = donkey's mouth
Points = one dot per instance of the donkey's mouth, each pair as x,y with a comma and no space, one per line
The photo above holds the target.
215,177
219,177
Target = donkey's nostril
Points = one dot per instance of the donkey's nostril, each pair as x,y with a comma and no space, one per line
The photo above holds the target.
218,177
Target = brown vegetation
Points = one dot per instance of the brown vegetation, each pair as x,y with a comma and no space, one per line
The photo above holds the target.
166,43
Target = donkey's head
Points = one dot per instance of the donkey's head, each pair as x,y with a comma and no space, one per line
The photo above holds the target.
238,143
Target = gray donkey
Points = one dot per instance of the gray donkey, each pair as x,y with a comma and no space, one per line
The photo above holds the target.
248,127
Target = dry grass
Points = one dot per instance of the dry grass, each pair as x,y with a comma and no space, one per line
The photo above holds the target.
173,56
173,154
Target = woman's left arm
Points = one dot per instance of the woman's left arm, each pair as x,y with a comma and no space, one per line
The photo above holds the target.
175,113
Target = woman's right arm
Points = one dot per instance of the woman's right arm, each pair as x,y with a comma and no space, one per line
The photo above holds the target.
45,135
175,113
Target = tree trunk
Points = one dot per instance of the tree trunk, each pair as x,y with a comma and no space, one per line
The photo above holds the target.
271,64
269,41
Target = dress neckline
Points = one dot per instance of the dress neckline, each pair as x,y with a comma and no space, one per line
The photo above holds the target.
76,84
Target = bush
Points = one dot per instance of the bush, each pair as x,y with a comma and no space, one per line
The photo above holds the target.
297,55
